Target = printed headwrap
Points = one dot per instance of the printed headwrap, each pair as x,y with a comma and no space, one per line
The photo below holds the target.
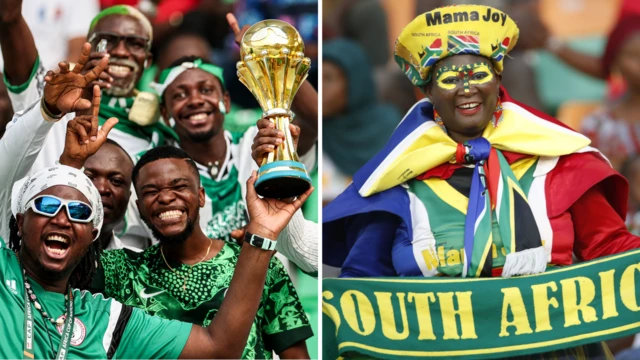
454,30
167,76
31,185
124,10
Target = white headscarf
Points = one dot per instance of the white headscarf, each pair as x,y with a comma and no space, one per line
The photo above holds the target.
31,185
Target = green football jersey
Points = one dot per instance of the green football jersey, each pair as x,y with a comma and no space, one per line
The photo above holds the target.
143,280
102,328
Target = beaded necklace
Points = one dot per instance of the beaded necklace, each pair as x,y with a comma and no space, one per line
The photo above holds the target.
67,320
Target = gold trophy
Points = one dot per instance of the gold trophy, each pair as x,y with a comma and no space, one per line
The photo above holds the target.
273,67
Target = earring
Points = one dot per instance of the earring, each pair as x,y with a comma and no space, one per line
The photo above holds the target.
223,109
438,119
146,62
497,113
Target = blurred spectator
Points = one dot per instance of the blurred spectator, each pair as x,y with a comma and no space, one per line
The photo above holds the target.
615,128
631,170
181,45
59,28
363,21
355,125
205,17
367,22
302,14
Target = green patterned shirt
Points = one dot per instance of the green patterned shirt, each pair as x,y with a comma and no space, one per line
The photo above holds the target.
143,280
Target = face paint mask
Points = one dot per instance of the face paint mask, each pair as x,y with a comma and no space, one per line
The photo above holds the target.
448,78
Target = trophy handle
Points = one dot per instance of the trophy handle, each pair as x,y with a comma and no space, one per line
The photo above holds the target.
287,150
281,174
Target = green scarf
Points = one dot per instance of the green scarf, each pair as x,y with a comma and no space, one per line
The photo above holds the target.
157,134
228,209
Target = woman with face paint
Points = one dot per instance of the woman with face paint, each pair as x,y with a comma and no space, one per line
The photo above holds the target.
434,199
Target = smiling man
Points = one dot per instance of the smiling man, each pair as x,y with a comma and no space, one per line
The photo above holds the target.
121,32
187,275
110,172
57,214
194,99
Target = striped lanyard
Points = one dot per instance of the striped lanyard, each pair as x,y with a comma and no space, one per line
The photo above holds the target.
29,328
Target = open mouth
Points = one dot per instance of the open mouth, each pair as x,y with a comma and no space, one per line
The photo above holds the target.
197,118
469,108
170,215
120,71
56,245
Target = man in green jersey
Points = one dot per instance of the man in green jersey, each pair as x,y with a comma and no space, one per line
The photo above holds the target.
187,275
194,98
57,214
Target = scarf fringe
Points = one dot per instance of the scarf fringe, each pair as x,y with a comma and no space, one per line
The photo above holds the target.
525,262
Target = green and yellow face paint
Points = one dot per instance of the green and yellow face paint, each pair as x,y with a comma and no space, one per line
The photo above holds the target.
479,73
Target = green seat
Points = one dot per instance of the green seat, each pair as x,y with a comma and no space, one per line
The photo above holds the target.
558,82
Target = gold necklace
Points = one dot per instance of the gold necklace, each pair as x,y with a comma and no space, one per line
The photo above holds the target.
184,285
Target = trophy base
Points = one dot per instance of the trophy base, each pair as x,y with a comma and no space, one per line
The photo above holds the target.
282,179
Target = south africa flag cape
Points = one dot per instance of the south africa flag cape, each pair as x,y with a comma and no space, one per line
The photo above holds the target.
419,146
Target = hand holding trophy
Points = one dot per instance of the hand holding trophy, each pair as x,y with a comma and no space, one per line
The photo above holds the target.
273,67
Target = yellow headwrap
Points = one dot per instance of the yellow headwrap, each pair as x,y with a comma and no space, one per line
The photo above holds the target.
454,30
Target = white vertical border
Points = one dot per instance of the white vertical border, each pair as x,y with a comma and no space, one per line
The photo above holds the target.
320,177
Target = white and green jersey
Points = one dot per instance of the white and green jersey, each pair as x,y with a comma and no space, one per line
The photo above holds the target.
225,209
103,328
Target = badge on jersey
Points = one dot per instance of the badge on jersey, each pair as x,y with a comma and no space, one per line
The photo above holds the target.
79,331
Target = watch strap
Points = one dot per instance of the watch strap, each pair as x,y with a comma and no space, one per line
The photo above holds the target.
259,241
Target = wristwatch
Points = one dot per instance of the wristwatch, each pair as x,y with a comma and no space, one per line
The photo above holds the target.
259,241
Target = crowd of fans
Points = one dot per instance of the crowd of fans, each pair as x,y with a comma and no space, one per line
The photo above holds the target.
147,45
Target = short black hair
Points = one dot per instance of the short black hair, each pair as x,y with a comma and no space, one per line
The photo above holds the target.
109,141
163,152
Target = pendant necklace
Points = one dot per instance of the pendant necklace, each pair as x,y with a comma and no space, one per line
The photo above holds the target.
214,168
185,277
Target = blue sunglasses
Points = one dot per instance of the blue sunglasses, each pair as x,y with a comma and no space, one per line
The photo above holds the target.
49,205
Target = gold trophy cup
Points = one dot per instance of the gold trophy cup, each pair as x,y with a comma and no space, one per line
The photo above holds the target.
273,67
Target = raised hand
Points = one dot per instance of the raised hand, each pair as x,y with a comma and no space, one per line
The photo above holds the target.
268,138
83,138
267,217
10,10
63,92
233,23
